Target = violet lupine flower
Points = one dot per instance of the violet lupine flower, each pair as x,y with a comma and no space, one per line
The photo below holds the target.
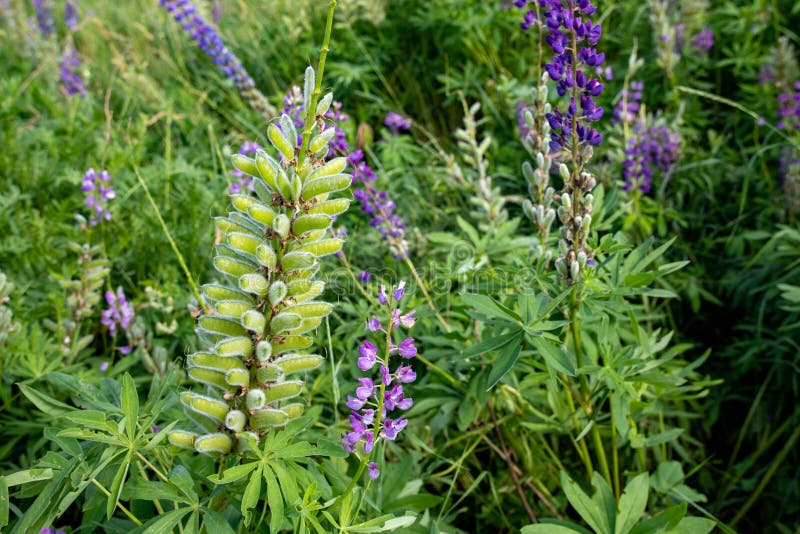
119,312
49,530
245,181
100,193
397,123
704,40
789,109
573,70
628,105
44,17
364,276
373,402
71,82
652,149
71,17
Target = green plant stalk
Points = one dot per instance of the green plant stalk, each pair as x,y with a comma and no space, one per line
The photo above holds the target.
614,453
119,504
425,294
172,244
312,110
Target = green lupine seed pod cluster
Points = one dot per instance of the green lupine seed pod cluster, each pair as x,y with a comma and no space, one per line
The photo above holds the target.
255,340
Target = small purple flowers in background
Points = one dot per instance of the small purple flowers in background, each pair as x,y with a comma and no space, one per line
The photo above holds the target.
628,105
49,530
704,40
44,17
789,109
71,82
652,149
119,313
71,17
397,123
374,401
245,182
99,194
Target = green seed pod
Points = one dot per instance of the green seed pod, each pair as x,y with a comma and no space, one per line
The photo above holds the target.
267,418
334,166
254,321
237,378
212,408
233,224
296,287
332,207
309,81
243,443
209,377
313,292
216,292
266,256
280,142
235,420
296,186
245,164
243,219
318,142
291,343
255,399
297,260
214,361
235,346
269,373
310,309
283,183
214,323
261,213
288,129
326,185
213,444
263,351
294,410
233,267
306,223
281,225
268,168
232,308
182,439
324,105
243,243
284,322
299,363
242,202
207,338
225,251
302,274
283,390
322,247
262,190
307,326
277,292
254,283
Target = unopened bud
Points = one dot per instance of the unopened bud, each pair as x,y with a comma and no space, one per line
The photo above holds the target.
582,258
574,270
539,160
235,420
255,399
561,267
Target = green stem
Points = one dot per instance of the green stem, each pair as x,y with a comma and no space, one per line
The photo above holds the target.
425,294
614,453
119,504
312,110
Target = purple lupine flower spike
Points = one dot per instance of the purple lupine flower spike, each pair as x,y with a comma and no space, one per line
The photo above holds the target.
704,40
71,82
397,123
71,17
99,194
652,149
628,105
374,402
44,17
119,312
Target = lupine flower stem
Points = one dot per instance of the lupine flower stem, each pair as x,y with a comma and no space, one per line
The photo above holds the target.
425,293
311,111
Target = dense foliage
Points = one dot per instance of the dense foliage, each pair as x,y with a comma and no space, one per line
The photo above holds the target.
565,296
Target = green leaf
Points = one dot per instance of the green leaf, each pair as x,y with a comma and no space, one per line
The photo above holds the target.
150,490
275,500
45,403
130,405
3,502
94,419
488,345
215,523
489,307
251,494
27,476
632,503
505,362
588,509
116,486
663,522
469,230
234,473
694,525
555,358
549,528
165,524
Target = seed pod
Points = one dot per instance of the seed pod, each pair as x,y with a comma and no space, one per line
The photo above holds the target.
238,378
214,323
182,439
316,289
283,183
233,267
310,309
243,443
245,164
322,247
212,408
261,213
334,166
254,321
235,346
283,390
299,363
291,343
213,444
297,260
214,361
295,187
216,292
254,283
288,129
269,373
324,105
266,256
326,185
268,168
267,418
263,192
235,420
333,207
306,326
225,251
235,222
209,377
280,141
297,287
263,351
277,292
232,308
307,223
255,399
318,142
284,322
281,225
294,410
242,202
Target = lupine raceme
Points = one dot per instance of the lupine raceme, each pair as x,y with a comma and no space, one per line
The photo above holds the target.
254,337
